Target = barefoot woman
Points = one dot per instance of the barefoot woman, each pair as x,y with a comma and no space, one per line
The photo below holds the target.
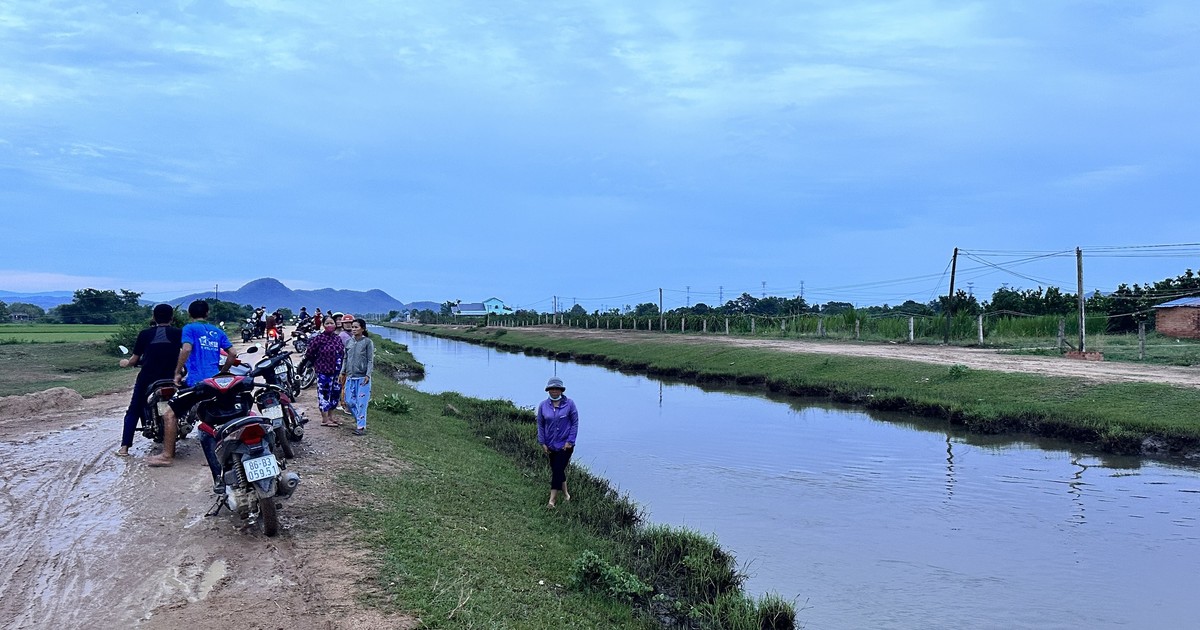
557,423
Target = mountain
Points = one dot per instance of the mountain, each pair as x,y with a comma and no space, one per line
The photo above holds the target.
46,299
273,294
436,307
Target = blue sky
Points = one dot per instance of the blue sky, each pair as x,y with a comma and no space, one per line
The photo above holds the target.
596,150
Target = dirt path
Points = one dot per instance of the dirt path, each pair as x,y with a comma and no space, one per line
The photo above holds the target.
979,359
88,539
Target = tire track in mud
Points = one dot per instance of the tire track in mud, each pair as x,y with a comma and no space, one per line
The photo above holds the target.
91,540
56,515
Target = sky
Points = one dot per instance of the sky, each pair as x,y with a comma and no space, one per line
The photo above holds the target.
598,151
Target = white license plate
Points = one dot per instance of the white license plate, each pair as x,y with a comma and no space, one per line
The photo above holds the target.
281,370
273,412
261,468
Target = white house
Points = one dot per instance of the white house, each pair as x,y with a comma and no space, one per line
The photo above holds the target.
490,306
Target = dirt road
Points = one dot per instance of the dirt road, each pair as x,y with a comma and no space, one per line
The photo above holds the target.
92,540
979,359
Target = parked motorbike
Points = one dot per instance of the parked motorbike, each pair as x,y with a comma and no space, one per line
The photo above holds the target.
300,339
247,330
306,372
274,400
283,372
150,421
248,449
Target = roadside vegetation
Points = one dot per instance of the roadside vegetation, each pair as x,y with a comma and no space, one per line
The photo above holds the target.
469,542
1127,418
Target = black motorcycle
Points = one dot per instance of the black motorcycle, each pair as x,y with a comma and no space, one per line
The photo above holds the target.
253,464
282,372
247,330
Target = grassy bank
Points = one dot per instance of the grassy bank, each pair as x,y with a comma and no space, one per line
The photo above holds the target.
469,542
54,333
395,360
1115,417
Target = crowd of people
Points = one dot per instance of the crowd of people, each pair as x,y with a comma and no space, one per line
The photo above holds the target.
343,356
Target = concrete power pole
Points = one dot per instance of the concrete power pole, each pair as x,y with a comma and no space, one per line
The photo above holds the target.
1082,314
950,302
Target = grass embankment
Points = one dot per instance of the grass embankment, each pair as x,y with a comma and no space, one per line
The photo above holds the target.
1113,417
54,333
469,542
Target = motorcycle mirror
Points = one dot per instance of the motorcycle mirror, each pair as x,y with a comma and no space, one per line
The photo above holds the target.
123,349
251,350
222,324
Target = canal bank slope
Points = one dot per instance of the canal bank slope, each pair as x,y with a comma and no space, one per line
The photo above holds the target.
1114,407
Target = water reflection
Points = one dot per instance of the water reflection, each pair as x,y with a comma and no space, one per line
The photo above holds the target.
877,520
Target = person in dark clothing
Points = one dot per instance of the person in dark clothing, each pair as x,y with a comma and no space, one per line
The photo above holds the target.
155,351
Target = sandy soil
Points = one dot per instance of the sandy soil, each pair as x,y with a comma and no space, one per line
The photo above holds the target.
92,540
1101,371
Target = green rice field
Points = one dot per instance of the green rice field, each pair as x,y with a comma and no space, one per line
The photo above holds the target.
55,333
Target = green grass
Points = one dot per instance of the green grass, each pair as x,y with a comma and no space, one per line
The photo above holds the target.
469,543
54,333
1114,417
85,367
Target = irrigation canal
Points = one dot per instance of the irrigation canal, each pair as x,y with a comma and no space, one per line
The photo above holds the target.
875,520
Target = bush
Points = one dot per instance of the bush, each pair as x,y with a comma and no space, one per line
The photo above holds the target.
590,572
394,403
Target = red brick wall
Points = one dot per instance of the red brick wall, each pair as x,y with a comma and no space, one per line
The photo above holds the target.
1179,321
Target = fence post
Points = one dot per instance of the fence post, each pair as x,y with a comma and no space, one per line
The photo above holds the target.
1141,341
911,328
704,325
751,325
981,329
820,326
857,328
726,325
1062,333
682,322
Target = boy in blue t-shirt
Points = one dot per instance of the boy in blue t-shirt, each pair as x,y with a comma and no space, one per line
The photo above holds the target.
201,353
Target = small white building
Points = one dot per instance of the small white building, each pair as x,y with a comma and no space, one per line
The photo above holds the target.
490,306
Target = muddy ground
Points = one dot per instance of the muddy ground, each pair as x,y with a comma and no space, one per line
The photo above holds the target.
974,358
92,540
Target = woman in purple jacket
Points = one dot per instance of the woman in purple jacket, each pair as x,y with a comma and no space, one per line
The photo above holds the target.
327,352
557,424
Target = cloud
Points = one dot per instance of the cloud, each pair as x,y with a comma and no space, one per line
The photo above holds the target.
24,281
1105,177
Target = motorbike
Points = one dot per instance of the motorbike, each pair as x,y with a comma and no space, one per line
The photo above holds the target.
274,400
283,372
306,372
150,421
247,330
248,449
300,338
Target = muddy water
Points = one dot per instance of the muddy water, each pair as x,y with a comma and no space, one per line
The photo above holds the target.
876,521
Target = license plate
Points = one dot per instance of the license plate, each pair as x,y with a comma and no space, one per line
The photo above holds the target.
281,370
273,412
261,468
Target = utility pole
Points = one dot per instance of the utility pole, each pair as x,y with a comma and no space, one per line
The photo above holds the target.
1082,315
721,295
662,317
764,289
801,289
950,302
217,291
688,303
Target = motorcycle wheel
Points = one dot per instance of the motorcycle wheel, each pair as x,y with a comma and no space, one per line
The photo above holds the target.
308,375
268,516
281,438
300,345
291,424
245,337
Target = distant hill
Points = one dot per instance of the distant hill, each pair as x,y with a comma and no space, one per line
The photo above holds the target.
45,299
436,307
273,294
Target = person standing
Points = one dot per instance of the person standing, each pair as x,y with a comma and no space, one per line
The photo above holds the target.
327,353
356,374
155,350
347,322
201,354
272,329
557,426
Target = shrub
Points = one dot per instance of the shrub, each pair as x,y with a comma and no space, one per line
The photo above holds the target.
394,403
590,572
